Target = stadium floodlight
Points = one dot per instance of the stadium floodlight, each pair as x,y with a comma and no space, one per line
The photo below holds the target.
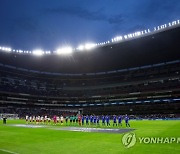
38,52
48,52
125,36
89,46
80,47
64,51
20,51
118,38
6,49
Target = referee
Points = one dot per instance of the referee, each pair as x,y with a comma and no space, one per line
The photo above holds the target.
4,120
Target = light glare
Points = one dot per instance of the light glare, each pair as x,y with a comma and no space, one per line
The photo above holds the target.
38,52
89,46
64,51
81,47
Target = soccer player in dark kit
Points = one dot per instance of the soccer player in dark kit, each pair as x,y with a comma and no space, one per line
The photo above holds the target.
119,120
91,119
94,120
108,120
127,121
103,120
87,120
82,119
98,120
114,120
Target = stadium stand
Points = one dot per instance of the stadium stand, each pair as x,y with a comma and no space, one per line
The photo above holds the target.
139,77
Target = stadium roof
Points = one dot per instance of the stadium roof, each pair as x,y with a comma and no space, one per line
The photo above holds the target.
154,48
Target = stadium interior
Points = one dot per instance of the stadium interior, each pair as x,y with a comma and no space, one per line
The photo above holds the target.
139,77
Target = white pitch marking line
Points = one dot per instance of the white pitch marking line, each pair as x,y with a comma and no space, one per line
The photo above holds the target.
8,151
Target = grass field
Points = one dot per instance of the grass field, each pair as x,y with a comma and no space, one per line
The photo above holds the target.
48,141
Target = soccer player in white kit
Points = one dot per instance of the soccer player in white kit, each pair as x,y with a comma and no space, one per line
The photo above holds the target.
45,119
37,119
33,119
30,119
27,119
42,118
57,119
62,119
49,120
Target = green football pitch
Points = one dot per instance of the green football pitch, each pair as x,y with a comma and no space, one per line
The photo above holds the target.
50,140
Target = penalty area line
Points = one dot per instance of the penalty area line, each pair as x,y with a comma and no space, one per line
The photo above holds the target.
7,151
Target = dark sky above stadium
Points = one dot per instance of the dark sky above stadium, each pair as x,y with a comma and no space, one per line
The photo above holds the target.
48,24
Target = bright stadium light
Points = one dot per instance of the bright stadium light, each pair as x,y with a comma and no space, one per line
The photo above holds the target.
38,52
64,51
118,38
80,47
89,46
20,51
6,49
48,52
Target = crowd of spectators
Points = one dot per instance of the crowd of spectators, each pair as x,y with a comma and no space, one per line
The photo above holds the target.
164,77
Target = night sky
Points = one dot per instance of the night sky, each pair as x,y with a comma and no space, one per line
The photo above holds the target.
48,24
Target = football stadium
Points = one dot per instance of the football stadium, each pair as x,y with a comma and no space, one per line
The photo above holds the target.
117,96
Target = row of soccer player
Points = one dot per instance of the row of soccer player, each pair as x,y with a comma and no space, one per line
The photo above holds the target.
95,120
42,119
80,120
